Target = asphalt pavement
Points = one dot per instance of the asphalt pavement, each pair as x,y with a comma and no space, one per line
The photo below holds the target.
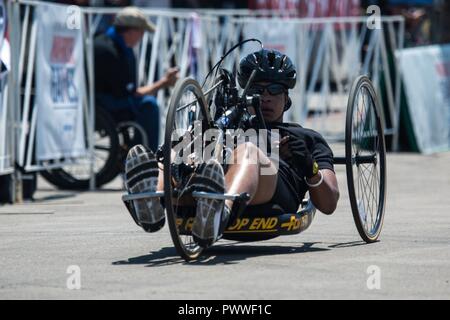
67,240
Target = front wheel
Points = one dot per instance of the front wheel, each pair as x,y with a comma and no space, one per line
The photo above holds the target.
365,153
187,108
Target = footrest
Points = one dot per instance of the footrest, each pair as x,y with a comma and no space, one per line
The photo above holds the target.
143,195
221,196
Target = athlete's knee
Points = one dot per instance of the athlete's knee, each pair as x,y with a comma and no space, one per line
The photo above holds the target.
247,151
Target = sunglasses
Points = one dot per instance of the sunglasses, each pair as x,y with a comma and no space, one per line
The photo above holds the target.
273,89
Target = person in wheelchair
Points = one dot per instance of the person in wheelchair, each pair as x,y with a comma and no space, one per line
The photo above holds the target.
305,160
115,74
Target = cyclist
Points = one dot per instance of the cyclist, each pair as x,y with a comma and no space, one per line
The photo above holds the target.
305,160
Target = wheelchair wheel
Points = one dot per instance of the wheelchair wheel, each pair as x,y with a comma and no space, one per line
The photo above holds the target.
187,105
106,166
130,134
365,154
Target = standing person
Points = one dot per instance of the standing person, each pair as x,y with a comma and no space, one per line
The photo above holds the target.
116,76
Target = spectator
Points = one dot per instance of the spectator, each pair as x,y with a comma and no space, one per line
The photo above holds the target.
115,74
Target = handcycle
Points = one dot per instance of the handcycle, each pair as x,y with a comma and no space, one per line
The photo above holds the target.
222,108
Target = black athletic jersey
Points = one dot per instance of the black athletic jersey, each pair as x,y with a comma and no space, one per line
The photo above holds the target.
289,172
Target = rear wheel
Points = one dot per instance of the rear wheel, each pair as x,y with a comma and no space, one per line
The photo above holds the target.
365,159
187,108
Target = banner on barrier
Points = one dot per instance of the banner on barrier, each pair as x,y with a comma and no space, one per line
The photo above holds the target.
4,145
2,22
277,35
5,160
59,86
426,75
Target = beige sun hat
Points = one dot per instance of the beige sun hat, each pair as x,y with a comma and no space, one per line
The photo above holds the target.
134,18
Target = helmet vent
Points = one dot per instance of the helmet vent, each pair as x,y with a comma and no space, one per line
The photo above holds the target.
271,59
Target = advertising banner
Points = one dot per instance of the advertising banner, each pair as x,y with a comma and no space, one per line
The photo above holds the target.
5,159
59,86
426,76
277,35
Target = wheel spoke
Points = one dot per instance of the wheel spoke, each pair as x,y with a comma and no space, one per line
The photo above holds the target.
366,195
372,202
185,109
102,148
371,197
365,141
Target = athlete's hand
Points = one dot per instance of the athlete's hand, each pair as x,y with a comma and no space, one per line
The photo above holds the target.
301,154
284,148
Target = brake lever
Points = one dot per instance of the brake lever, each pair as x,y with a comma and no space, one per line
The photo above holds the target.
160,154
256,102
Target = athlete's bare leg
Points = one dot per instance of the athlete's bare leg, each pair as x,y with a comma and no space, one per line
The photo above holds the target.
244,175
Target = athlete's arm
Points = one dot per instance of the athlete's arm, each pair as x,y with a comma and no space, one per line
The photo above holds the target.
325,196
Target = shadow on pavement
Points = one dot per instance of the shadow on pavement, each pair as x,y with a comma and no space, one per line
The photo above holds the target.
164,257
54,197
219,254
349,244
109,190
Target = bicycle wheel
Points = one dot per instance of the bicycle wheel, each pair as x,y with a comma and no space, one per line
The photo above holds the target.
365,154
187,105
130,134
106,166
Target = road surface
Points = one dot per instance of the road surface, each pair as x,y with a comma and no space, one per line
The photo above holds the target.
40,243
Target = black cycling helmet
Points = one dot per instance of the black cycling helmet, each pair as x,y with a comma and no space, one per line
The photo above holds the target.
271,66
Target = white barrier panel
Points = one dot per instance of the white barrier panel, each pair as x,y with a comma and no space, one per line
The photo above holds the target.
59,86
181,39
50,76
426,75
278,35
6,165
2,22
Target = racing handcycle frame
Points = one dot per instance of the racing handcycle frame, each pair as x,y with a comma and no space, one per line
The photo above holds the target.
222,108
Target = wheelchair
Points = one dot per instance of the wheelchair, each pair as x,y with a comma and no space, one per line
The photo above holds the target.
113,140
222,108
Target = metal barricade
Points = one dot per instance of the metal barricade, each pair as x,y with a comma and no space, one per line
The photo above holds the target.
329,54
6,128
177,41
6,132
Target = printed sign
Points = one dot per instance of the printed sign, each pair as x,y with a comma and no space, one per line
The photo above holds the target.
426,75
59,86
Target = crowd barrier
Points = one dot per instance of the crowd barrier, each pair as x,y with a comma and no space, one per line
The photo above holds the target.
329,54
177,42
6,144
6,136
